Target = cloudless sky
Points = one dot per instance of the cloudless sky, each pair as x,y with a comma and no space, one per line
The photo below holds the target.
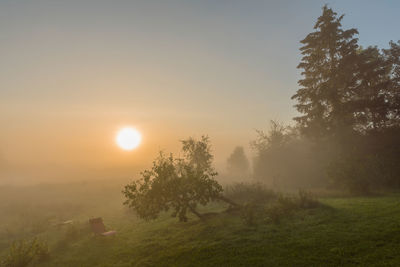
73,72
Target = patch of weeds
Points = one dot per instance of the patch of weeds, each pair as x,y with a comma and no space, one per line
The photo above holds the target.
282,207
22,253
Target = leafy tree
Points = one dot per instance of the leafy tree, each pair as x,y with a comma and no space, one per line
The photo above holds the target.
270,148
371,95
393,57
329,67
237,163
349,104
179,184
284,158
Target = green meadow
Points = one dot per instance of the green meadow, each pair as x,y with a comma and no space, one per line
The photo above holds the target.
341,231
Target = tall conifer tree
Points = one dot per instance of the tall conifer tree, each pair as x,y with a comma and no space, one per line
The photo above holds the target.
329,76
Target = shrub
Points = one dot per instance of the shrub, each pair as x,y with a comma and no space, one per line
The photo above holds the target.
355,173
284,205
275,213
42,251
244,193
22,253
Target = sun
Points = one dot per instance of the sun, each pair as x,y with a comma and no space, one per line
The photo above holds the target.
128,138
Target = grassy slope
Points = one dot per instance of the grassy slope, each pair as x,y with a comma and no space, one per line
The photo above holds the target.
349,231
356,231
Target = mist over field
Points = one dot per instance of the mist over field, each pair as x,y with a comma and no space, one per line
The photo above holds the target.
199,133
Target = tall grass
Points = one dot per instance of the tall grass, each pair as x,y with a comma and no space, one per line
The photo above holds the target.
24,252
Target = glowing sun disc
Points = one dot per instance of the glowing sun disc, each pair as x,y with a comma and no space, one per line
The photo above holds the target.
128,138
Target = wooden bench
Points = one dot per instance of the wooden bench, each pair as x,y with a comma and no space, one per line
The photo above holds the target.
98,227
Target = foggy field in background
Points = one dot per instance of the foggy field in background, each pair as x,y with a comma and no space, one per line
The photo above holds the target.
181,133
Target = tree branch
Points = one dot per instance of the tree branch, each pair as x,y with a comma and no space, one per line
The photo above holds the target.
227,200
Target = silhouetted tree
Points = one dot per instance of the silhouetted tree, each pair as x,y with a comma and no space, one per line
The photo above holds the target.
349,100
329,66
237,163
371,95
270,152
283,158
179,184
393,57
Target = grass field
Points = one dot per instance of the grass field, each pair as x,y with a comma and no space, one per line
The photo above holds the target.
344,231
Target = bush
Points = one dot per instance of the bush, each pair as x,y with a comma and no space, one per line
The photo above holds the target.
356,173
249,214
281,208
285,205
22,253
245,193
306,200
42,251
275,213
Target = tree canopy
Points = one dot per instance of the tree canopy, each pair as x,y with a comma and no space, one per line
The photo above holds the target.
349,103
177,184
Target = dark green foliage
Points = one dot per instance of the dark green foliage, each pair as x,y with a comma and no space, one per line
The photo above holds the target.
179,184
355,173
376,98
328,63
371,95
349,100
392,55
370,163
23,253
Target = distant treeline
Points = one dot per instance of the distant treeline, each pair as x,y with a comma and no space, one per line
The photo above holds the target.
348,132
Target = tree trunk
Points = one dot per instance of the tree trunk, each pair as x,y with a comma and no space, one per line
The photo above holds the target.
194,211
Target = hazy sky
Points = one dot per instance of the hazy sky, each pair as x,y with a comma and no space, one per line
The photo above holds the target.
73,72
